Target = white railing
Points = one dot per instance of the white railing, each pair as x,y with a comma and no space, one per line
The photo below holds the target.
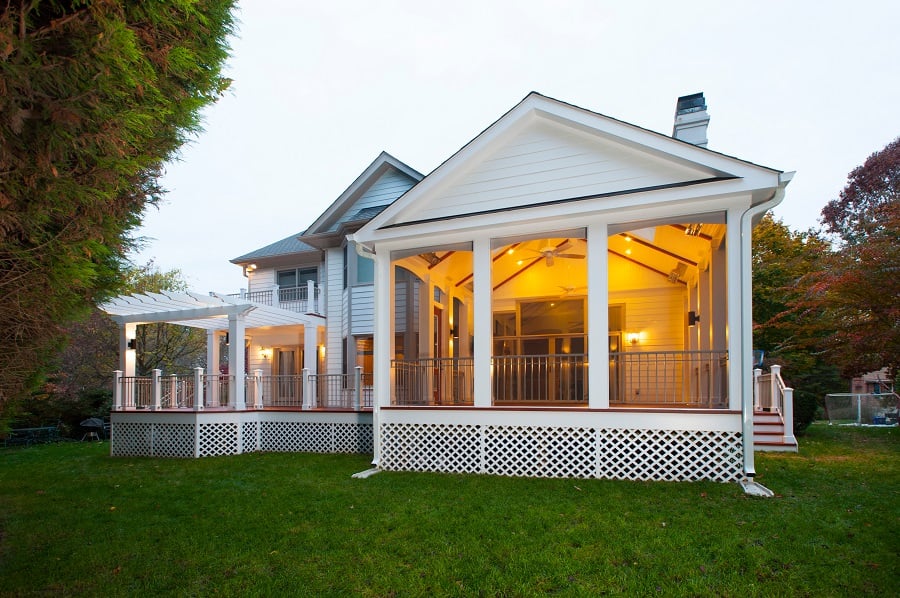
770,394
200,391
683,378
303,299
433,381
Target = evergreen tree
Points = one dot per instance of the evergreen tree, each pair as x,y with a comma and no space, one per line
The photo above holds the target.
95,96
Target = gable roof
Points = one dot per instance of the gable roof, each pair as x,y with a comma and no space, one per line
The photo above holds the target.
395,177
544,152
385,179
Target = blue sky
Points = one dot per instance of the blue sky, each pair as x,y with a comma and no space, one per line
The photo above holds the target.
320,89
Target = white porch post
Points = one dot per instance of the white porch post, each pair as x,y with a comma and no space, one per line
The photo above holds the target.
733,242
198,388
310,348
598,316
212,364
117,390
483,329
383,341
276,296
788,417
155,390
311,296
357,387
257,389
309,390
756,374
236,331
127,357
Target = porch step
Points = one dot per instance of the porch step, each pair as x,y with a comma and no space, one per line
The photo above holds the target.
768,433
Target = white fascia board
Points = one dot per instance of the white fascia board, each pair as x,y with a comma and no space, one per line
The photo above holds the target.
537,106
652,204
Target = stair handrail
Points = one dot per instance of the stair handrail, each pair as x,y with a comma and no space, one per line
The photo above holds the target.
783,400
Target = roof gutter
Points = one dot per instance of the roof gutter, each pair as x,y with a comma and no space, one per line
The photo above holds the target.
747,321
362,249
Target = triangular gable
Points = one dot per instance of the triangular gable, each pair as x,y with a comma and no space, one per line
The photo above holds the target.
385,179
544,151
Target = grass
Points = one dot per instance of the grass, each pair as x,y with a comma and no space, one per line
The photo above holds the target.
75,521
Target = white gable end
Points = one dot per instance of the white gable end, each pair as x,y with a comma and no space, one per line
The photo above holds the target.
545,161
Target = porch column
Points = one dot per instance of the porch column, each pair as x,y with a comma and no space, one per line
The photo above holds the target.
382,350
212,364
733,242
483,329
236,331
310,348
598,316
127,357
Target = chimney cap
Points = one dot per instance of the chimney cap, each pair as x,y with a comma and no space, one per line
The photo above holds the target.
694,102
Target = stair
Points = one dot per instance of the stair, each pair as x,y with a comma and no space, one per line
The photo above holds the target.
768,433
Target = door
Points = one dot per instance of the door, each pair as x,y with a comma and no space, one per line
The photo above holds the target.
286,380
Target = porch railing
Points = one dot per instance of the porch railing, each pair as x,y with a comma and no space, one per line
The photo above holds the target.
302,299
135,392
688,378
771,394
342,391
279,391
433,381
529,379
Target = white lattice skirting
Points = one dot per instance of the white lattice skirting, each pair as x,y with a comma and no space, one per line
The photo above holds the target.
213,438
544,451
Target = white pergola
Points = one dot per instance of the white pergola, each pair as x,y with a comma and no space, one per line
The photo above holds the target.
213,313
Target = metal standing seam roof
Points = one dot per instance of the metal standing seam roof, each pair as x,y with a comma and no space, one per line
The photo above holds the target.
209,312
285,246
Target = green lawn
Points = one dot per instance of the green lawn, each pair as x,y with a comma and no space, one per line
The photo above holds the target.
74,521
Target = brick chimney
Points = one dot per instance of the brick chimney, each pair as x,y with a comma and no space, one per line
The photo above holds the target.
691,119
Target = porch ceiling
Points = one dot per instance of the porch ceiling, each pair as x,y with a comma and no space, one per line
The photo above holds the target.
209,312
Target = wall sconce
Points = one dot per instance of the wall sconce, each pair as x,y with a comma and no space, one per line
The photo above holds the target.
265,353
633,338
132,344
226,339
693,318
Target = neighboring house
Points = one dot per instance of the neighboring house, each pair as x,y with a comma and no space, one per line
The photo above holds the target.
566,295
877,382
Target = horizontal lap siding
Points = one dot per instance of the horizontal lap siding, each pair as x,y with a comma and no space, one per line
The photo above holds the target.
334,262
383,192
363,299
543,164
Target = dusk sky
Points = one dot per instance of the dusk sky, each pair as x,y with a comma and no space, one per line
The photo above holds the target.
321,88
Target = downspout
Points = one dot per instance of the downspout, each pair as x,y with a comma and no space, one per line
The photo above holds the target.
747,319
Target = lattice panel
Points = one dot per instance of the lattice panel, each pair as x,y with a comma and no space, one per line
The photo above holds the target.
295,437
351,438
431,447
670,455
540,451
173,440
218,439
131,439
249,437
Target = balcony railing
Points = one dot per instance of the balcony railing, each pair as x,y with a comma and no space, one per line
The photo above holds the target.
339,391
303,299
433,381
544,379
684,378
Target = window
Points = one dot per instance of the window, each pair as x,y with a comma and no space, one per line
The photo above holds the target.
365,270
296,277
364,353
346,267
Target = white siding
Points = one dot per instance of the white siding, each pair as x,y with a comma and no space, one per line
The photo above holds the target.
389,186
363,300
543,163
334,306
261,280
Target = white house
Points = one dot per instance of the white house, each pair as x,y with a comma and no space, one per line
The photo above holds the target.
566,295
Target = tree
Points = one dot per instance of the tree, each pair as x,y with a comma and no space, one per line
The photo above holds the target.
80,384
791,337
858,284
94,98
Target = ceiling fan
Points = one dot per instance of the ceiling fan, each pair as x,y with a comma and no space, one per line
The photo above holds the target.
566,291
550,253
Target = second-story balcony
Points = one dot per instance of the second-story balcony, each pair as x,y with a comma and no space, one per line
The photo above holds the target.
306,299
